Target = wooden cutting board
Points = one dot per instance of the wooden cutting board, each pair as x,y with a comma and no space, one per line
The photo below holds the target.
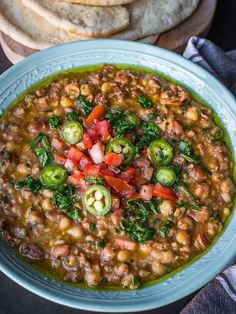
175,39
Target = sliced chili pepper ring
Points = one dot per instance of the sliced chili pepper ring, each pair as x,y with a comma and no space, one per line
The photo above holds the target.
122,147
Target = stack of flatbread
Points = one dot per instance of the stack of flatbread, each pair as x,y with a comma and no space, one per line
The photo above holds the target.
39,24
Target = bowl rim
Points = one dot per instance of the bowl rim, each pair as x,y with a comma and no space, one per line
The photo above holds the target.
155,51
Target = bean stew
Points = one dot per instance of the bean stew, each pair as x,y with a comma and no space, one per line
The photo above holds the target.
112,177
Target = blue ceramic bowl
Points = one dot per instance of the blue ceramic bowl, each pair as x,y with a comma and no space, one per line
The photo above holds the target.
43,64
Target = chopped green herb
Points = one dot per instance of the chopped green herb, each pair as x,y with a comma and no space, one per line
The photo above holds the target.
117,231
72,116
54,122
187,153
134,219
118,121
85,105
74,214
219,134
43,155
152,116
101,244
92,226
156,221
28,165
216,216
64,198
30,184
164,230
145,102
190,206
95,180
151,133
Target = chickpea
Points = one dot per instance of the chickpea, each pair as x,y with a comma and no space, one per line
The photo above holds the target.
61,250
167,207
72,89
11,146
192,114
166,257
183,237
92,278
123,255
64,223
106,87
225,214
85,89
22,169
121,269
158,269
66,102
76,232
46,204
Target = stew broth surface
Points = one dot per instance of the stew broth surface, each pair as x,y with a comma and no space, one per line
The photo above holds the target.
112,177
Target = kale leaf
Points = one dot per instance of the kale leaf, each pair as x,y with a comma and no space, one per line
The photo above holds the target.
145,102
85,105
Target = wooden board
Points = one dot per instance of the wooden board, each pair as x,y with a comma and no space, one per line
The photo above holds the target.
175,39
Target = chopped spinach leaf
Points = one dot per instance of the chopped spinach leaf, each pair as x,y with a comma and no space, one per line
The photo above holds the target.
85,105
152,116
145,102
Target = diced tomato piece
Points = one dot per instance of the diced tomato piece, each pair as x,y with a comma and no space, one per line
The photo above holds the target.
106,172
97,153
97,113
146,192
163,192
56,143
103,128
84,161
92,132
59,159
127,175
74,154
112,159
76,178
125,244
70,165
85,142
120,185
91,170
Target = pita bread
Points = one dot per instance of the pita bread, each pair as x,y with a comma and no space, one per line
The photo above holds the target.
150,17
100,2
81,19
149,39
28,28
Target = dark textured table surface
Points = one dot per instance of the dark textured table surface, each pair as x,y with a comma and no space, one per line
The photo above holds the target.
13,298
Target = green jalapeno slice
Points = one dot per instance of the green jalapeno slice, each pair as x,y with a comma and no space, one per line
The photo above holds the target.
165,176
123,148
97,200
160,153
53,175
72,132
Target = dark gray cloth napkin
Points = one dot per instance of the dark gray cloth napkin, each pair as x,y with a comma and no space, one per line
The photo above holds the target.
218,296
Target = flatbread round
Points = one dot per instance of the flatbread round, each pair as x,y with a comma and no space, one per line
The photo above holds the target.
101,2
28,28
148,17
149,39
81,19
